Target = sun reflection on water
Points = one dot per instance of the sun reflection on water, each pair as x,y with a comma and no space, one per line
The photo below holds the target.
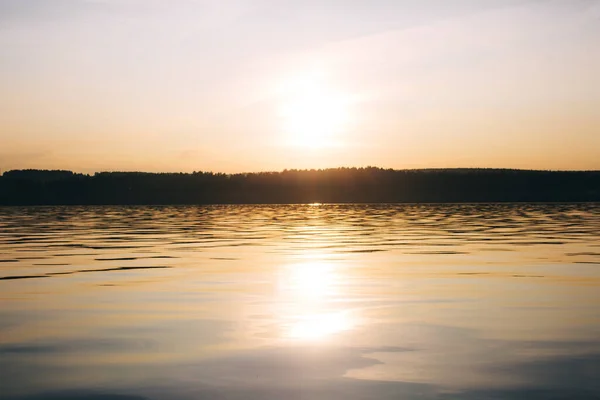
311,292
309,281
318,326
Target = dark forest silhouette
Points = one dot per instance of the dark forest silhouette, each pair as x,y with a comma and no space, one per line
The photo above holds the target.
337,185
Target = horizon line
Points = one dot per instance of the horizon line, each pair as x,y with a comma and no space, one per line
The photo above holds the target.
448,169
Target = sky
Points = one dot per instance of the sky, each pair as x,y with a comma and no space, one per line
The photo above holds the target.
267,85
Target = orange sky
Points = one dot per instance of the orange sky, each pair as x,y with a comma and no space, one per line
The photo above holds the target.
265,85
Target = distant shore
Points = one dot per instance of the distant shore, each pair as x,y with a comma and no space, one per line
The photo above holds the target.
336,185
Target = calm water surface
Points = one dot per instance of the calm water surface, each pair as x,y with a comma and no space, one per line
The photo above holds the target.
300,302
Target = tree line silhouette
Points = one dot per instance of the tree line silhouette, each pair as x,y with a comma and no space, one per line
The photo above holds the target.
336,185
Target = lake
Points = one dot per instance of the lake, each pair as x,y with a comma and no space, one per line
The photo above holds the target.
481,301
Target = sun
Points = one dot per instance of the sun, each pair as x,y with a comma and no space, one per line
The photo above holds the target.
313,115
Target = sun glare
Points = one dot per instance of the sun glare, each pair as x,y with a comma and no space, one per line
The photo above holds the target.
313,114
313,327
309,282
308,290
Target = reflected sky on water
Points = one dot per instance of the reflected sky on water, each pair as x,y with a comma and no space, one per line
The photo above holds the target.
322,301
